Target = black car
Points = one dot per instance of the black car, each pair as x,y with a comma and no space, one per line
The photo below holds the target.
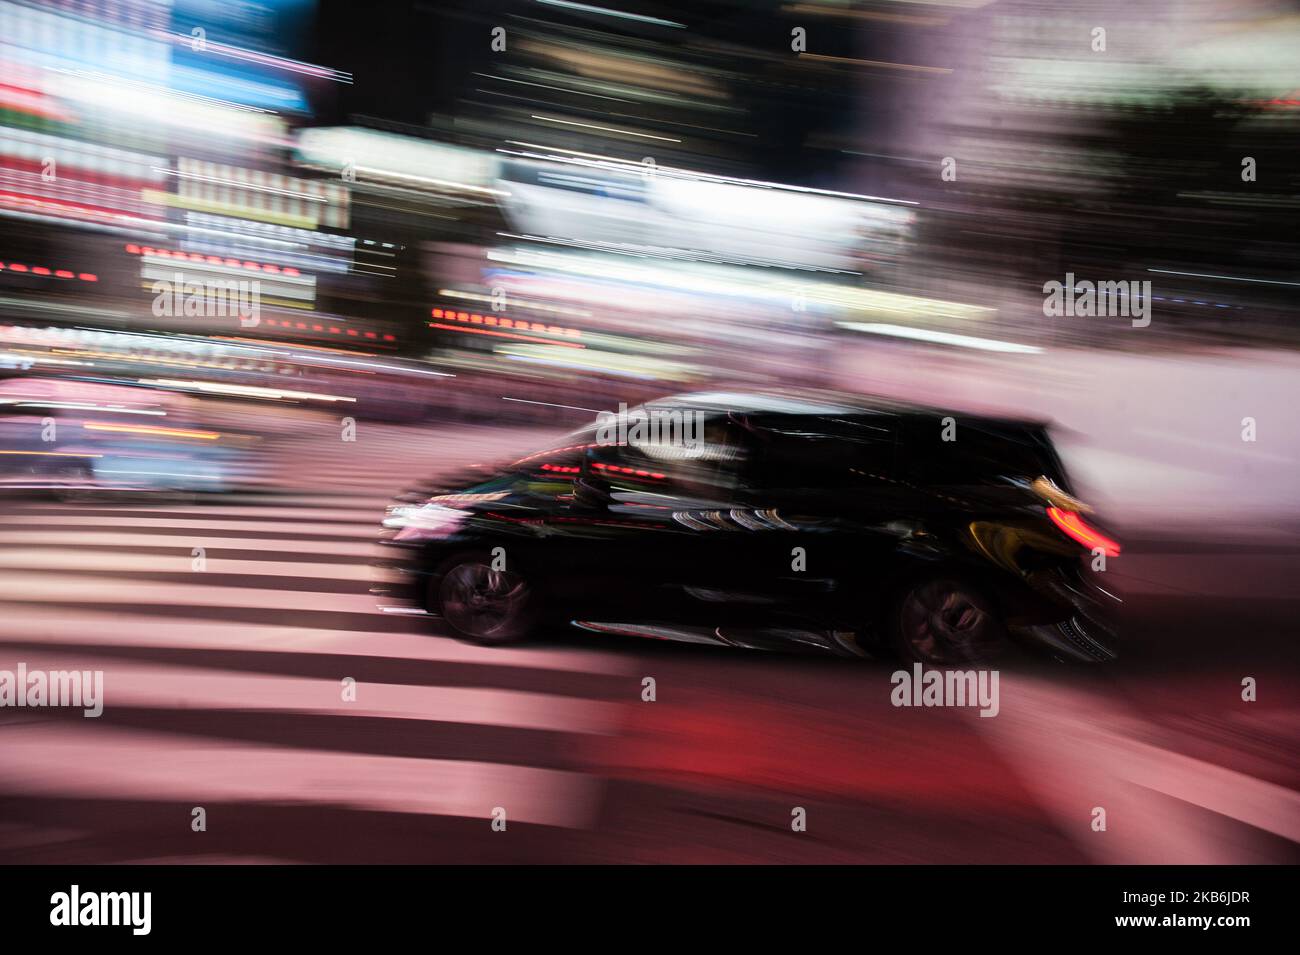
841,525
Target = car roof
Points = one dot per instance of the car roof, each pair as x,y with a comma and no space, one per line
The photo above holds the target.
797,402
749,402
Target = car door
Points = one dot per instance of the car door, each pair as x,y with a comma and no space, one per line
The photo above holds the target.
826,504
658,540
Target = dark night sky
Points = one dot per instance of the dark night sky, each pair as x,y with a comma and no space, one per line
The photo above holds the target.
413,58
408,59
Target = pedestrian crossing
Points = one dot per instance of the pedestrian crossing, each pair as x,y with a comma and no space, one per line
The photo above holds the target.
245,660
227,626
1140,775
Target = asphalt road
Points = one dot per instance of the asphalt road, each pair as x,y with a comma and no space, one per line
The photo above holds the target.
224,691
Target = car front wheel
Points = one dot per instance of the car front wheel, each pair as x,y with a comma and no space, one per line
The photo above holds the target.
481,603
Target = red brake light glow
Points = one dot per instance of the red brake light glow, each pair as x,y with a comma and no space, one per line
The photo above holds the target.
1074,527
638,472
45,272
518,324
147,250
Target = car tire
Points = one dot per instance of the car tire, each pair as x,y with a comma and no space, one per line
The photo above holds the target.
944,620
481,604
73,484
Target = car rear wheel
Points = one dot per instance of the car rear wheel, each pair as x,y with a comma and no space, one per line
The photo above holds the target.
945,621
483,604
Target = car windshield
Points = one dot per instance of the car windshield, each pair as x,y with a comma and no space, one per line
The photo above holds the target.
679,452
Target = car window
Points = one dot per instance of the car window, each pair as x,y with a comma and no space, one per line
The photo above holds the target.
810,452
558,457
564,463
708,466
976,454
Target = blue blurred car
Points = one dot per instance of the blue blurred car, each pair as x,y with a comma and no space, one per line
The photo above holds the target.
77,438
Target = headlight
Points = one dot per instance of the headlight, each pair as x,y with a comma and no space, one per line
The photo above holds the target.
424,520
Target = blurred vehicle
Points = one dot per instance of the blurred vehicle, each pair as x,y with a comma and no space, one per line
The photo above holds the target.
836,525
78,439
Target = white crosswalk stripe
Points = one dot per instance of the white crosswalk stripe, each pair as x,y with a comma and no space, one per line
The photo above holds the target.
44,760
279,616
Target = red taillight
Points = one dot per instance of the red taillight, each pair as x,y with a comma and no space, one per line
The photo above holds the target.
1074,527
